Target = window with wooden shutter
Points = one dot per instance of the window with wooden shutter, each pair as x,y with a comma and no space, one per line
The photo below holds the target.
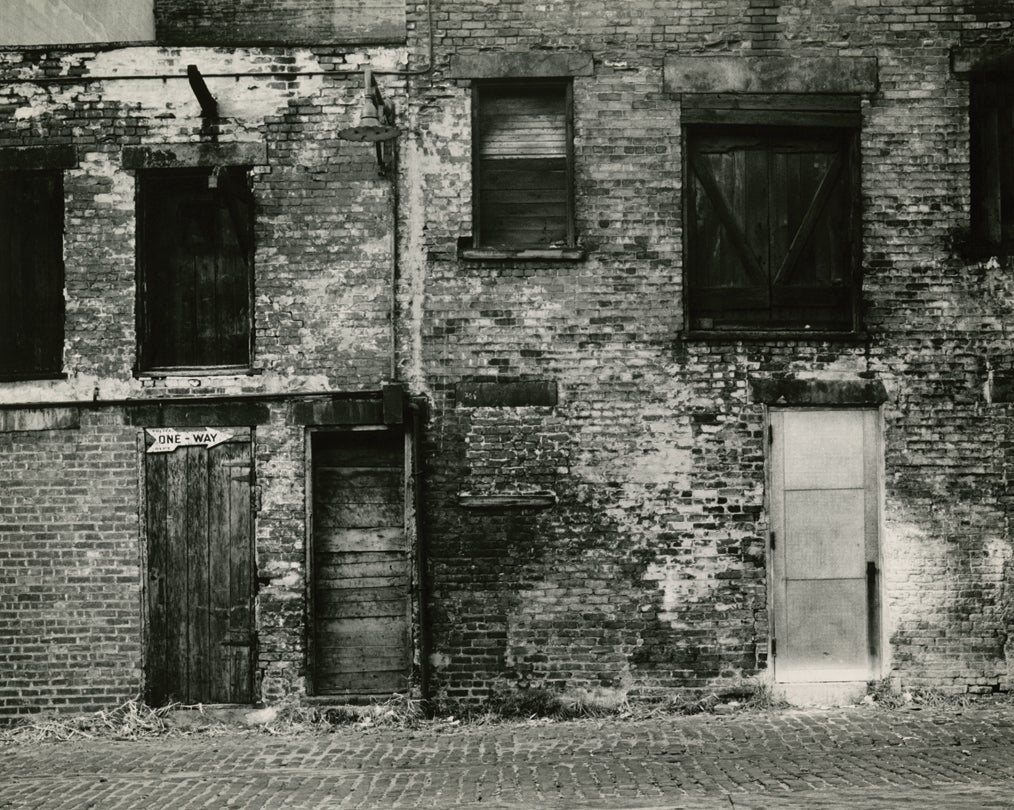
196,266
523,165
31,274
992,159
772,219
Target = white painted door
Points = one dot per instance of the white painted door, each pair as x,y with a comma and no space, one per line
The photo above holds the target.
825,548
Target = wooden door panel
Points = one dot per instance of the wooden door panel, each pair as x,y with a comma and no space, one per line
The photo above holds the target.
823,450
824,534
825,633
200,561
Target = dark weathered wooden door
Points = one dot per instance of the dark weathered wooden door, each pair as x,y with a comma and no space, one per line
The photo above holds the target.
824,524
200,574
361,611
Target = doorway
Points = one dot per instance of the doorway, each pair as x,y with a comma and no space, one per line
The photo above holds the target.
359,561
200,566
825,544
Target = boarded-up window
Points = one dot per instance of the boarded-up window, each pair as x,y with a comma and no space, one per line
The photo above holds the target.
523,165
196,259
771,229
992,159
31,274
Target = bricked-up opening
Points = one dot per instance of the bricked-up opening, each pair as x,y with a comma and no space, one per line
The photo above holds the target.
771,217
31,274
991,113
195,255
523,164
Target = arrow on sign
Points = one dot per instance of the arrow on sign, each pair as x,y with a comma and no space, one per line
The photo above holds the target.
165,440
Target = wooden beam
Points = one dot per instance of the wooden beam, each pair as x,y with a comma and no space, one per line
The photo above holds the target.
209,107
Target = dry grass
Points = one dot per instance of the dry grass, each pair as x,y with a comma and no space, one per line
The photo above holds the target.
132,720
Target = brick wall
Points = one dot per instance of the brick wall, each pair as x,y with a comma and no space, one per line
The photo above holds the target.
650,572
646,570
70,622
71,542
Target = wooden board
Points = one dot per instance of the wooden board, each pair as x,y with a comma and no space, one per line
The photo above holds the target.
200,574
360,577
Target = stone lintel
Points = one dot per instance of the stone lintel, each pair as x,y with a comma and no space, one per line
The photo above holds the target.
521,65
31,419
198,414
337,411
524,393
182,155
770,74
15,158
818,392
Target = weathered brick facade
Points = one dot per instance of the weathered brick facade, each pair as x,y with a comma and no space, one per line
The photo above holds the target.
604,526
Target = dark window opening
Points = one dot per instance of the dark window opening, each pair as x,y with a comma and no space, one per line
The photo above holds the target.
31,274
195,268
772,221
992,160
523,154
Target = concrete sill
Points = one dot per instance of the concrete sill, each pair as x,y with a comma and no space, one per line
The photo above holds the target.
542,499
200,371
522,254
733,335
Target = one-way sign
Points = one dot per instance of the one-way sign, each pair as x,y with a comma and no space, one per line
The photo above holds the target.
168,439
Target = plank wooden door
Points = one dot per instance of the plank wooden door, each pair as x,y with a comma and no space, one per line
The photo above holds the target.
361,613
200,574
824,515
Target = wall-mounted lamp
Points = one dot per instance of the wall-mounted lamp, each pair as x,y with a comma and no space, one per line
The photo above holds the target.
376,121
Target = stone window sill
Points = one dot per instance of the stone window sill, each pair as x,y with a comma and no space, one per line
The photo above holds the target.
733,335
200,371
522,254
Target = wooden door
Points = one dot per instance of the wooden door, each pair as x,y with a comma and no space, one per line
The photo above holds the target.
360,582
824,535
200,574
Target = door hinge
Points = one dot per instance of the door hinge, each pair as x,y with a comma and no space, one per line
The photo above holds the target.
774,647
772,541
771,434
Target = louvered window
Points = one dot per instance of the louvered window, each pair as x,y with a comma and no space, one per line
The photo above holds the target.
772,221
196,266
523,165
31,274
992,159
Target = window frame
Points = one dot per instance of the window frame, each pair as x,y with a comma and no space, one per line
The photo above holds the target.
801,124
531,85
232,175
991,192
39,333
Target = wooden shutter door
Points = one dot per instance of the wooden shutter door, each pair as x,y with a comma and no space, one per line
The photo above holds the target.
728,221
824,519
200,574
361,613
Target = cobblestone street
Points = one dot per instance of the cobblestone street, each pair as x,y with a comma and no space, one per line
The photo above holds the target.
861,757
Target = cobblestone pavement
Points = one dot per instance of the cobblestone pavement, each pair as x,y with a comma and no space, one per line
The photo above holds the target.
860,757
